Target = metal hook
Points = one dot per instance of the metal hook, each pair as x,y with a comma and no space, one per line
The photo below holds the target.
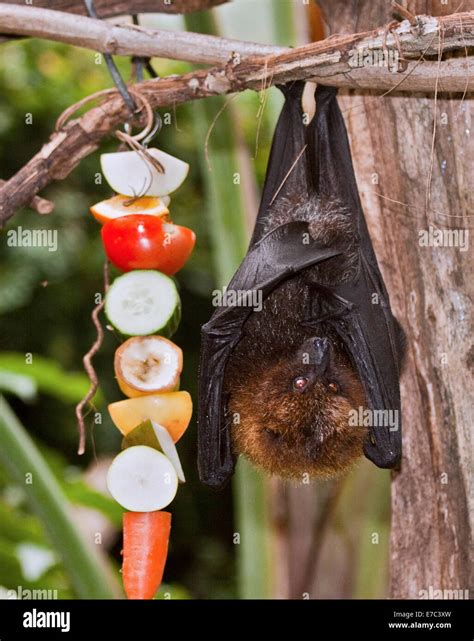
142,62
112,67
155,130
138,61
157,124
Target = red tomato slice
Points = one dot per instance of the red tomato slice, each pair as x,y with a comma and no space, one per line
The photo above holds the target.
146,242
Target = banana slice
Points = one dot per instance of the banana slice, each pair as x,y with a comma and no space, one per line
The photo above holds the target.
148,364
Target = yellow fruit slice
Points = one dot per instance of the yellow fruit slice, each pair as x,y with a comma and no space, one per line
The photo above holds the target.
147,365
173,410
119,206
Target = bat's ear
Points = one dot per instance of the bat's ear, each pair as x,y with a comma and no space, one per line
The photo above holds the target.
331,174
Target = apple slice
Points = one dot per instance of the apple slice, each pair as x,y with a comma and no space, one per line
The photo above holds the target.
154,435
142,479
173,410
119,206
148,364
131,174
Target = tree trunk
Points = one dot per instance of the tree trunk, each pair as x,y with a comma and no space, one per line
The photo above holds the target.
410,184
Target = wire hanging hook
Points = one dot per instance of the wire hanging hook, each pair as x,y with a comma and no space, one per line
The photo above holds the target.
141,63
112,67
155,130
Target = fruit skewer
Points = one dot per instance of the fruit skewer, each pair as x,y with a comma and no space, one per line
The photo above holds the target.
144,305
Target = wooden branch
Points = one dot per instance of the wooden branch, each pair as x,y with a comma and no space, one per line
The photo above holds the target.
39,205
457,33
328,62
124,40
111,8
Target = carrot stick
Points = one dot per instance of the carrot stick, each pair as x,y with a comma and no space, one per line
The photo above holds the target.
145,548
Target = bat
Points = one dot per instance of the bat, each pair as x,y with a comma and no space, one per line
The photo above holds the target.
300,363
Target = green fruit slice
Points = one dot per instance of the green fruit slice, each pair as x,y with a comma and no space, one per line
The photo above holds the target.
143,434
143,302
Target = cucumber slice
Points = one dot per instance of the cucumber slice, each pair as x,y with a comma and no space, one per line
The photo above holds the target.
143,302
142,479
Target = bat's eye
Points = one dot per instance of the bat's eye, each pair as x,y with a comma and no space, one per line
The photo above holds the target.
300,383
334,387
273,433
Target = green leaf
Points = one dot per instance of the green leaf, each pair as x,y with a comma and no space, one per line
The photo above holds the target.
80,493
90,574
10,564
22,386
16,526
48,375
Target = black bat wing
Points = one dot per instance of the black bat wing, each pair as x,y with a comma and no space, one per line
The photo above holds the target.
286,170
364,321
276,257
359,314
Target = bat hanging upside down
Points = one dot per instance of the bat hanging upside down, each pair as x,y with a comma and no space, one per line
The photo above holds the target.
285,383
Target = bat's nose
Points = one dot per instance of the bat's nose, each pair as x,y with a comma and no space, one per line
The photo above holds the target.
322,349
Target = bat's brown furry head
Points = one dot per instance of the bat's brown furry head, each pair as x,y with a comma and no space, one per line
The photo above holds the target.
291,417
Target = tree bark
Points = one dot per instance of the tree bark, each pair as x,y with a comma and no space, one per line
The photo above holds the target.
126,39
331,61
111,8
408,184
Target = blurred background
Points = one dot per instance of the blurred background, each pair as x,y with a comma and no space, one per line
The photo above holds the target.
321,540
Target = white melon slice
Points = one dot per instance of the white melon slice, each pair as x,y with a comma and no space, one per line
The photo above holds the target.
131,174
142,479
